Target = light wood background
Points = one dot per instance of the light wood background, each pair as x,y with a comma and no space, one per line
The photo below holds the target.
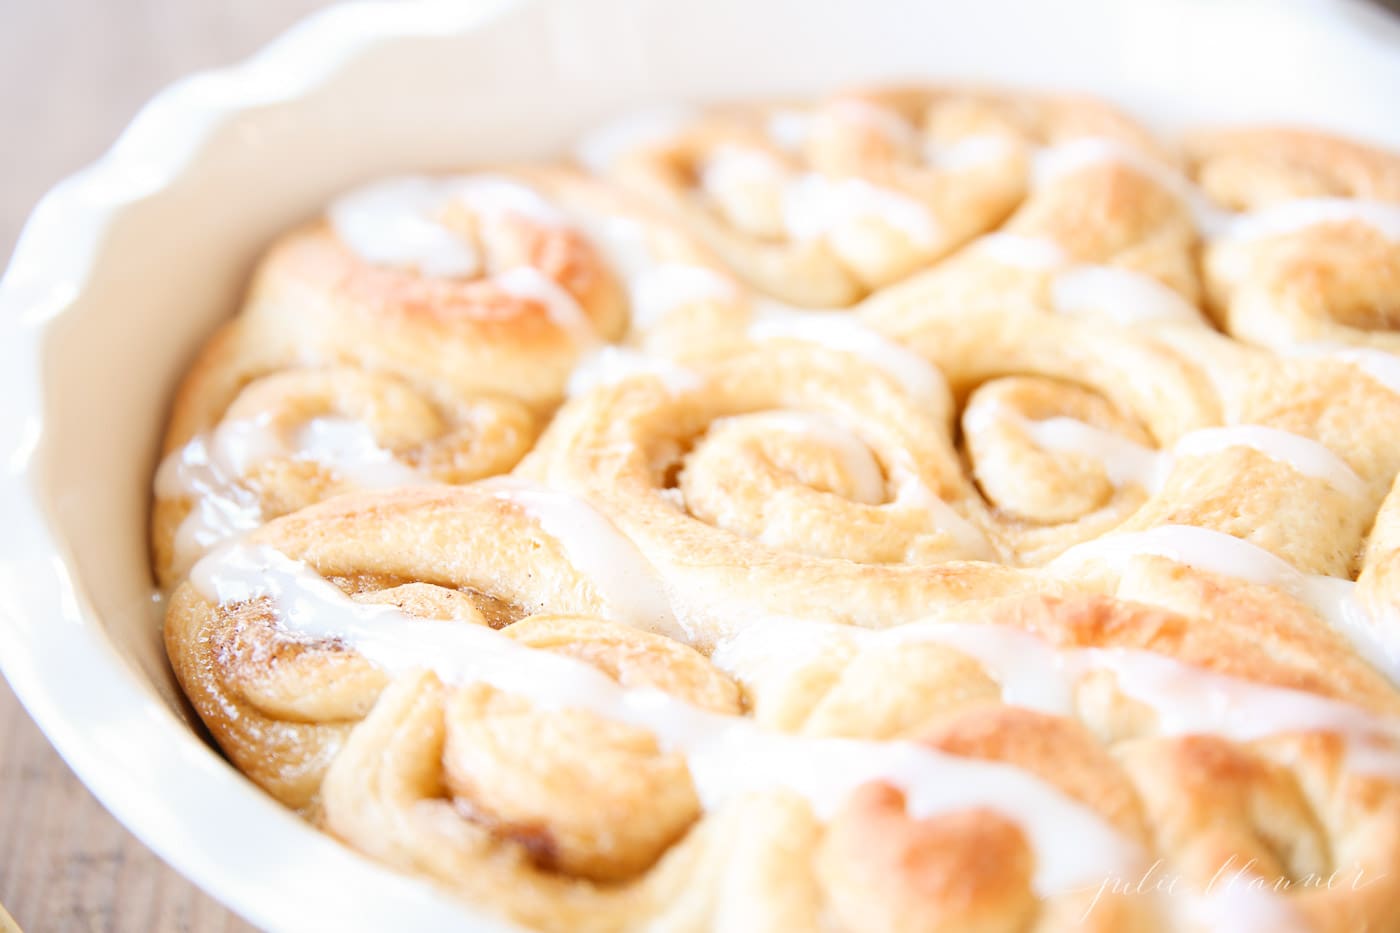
72,74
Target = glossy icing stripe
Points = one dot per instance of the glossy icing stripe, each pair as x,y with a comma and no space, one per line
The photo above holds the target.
817,206
1302,454
1332,598
1122,295
1034,674
1127,462
610,365
838,330
1288,217
625,581
211,472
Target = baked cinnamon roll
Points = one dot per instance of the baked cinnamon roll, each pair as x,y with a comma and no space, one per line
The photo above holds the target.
1313,254
1002,533
421,332
818,204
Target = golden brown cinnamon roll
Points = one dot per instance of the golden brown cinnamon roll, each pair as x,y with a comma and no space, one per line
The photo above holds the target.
1314,257
819,204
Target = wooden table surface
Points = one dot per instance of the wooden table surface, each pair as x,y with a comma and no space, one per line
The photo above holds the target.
72,74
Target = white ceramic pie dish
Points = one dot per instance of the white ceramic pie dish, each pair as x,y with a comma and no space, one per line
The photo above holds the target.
124,268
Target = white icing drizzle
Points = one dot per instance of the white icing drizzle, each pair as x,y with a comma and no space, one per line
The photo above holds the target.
394,223
1202,548
726,755
207,470
1121,295
1288,217
1126,297
625,581
1026,252
601,148
839,330
968,152
1332,598
562,308
659,291
350,448
815,206
1190,700
1211,219
1125,462
1302,454
1031,673
789,129
912,492
882,120
210,471
1379,365
610,365
624,241
655,287
496,196
230,450
733,168
397,222
954,155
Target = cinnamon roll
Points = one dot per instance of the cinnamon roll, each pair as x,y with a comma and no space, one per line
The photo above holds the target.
1313,257
1002,533
421,332
818,204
